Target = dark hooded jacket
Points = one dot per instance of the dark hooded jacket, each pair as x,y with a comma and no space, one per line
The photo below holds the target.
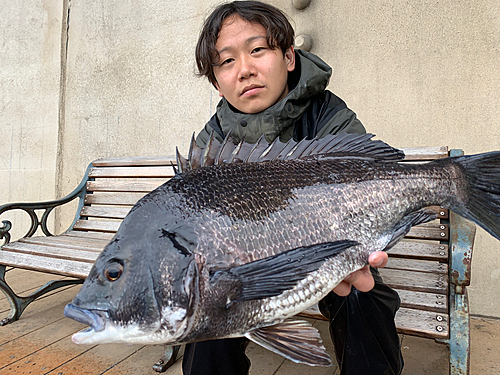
307,111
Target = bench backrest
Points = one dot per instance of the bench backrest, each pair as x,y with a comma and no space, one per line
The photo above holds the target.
114,185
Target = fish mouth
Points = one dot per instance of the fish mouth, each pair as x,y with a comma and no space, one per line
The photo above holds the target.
95,319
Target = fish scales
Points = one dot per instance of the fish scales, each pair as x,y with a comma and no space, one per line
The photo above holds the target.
310,206
323,203
234,249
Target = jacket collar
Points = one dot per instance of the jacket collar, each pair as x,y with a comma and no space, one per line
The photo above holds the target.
310,77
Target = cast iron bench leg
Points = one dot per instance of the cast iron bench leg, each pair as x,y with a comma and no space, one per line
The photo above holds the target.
167,359
18,304
459,334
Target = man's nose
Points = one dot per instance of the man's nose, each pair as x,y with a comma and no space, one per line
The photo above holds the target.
247,68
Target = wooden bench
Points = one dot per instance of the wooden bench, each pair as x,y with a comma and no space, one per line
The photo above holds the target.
430,268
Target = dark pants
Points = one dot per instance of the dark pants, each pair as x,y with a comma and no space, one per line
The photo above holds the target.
362,329
216,357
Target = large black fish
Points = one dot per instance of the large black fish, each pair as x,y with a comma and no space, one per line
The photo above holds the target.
245,237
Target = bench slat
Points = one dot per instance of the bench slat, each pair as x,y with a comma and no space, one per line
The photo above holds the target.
82,234
425,153
409,299
430,231
135,172
105,212
116,198
67,242
425,232
412,153
422,323
417,265
417,281
125,186
166,160
63,267
443,213
97,225
423,301
408,321
421,250
77,254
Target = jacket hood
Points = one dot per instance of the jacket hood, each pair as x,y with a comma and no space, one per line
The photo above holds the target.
310,77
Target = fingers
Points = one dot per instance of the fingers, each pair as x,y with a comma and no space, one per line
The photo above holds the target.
378,259
343,289
362,279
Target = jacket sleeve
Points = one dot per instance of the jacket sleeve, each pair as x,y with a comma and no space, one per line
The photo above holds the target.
335,117
327,114
344,121
211,126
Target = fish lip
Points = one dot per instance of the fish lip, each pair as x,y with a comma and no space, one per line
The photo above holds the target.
95,319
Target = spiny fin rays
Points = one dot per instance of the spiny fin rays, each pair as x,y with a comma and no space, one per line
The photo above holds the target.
182,164
195,153
333,146
208,156
226,149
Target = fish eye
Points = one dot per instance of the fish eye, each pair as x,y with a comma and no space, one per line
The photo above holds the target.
113,271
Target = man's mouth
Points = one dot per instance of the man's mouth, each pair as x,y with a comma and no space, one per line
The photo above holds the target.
250,89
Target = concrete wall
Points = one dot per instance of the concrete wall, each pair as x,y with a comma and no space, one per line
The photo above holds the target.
417,73
29,102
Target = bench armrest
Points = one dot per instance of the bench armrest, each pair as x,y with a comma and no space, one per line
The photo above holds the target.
47,207
462,233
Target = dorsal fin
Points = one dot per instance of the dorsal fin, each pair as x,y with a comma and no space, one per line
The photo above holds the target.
205,156
289,146
272,150
194,157
181,161
176,171
226,149
331,145
240,151
257,150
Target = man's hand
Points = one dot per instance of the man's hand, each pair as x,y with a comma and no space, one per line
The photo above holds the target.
362,279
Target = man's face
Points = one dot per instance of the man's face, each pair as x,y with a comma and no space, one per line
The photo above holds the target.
250,75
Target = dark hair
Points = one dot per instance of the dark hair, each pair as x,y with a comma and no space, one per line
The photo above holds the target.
280,33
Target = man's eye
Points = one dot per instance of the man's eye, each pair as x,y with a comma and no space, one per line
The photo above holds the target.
226,61
258,49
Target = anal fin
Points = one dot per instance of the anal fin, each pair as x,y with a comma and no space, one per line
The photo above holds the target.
296,340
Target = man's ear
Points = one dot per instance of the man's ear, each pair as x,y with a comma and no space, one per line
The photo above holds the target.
216,84
290,59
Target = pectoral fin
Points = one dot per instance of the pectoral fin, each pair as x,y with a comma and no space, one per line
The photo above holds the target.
271,276
296,340
415,218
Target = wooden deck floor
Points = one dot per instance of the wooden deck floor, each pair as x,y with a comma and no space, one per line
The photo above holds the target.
40,343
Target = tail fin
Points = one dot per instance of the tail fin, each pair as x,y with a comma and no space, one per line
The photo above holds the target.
482,203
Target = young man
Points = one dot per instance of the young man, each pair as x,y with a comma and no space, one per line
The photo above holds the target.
246,51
